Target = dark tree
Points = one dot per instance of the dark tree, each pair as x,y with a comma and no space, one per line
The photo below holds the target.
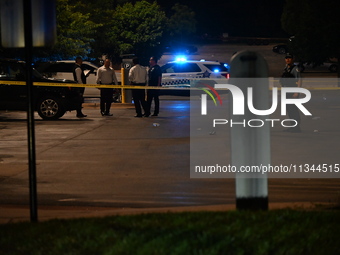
316,28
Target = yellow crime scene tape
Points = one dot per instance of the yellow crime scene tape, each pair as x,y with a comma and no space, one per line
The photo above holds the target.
181,86
76,85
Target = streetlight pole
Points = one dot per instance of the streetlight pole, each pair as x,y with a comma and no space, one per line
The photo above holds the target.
19,22
30,110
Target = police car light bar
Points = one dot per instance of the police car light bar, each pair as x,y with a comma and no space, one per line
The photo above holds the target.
181,59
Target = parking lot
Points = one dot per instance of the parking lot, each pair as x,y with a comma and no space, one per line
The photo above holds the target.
127,162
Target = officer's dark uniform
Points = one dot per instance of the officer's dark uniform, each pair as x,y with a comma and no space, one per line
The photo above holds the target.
154,73
138,96
80,90
106,95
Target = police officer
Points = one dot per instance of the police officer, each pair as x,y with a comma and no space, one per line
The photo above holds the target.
80,78
138,76
291,78
155,79
106,76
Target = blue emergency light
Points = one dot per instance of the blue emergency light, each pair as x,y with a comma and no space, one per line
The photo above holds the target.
181,59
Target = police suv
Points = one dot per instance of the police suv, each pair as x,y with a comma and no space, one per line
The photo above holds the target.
184,73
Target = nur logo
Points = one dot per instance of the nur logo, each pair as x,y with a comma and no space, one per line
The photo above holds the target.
239,100
204,98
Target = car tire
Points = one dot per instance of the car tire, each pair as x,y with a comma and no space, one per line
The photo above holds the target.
333,68
117,98
50,108
282,50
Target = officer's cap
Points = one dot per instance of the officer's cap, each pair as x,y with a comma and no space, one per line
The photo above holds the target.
289,56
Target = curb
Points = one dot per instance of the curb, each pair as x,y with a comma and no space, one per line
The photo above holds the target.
13,213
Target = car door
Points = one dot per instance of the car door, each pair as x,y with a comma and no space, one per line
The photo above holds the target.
12,96
91,78
178,73
57,70
91,73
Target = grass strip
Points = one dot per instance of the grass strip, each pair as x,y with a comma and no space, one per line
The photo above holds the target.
236,232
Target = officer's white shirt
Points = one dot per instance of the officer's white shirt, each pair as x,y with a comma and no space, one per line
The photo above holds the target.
138,74
106,76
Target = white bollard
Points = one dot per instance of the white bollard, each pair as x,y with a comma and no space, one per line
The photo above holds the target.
250,146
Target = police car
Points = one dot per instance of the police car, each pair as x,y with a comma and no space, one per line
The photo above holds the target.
184,73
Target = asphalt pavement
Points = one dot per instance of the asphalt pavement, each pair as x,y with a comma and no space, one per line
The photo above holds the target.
133,148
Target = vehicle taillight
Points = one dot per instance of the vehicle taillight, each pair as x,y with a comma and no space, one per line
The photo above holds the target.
226,75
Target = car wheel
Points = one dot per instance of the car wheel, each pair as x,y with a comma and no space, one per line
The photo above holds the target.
333,68
117,98
282,50
50,108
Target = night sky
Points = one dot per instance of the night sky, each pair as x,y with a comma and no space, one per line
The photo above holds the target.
237,17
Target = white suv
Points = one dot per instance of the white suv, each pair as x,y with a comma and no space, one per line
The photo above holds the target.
63,69
183,73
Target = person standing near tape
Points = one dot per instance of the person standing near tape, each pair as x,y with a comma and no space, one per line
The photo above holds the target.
155,80
80,78
138,76
106,76
291,78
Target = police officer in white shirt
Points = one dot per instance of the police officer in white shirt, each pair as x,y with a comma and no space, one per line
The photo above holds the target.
106,76
138,76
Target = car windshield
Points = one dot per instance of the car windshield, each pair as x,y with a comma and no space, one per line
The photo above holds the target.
181,67
11,70
37,74
16,71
